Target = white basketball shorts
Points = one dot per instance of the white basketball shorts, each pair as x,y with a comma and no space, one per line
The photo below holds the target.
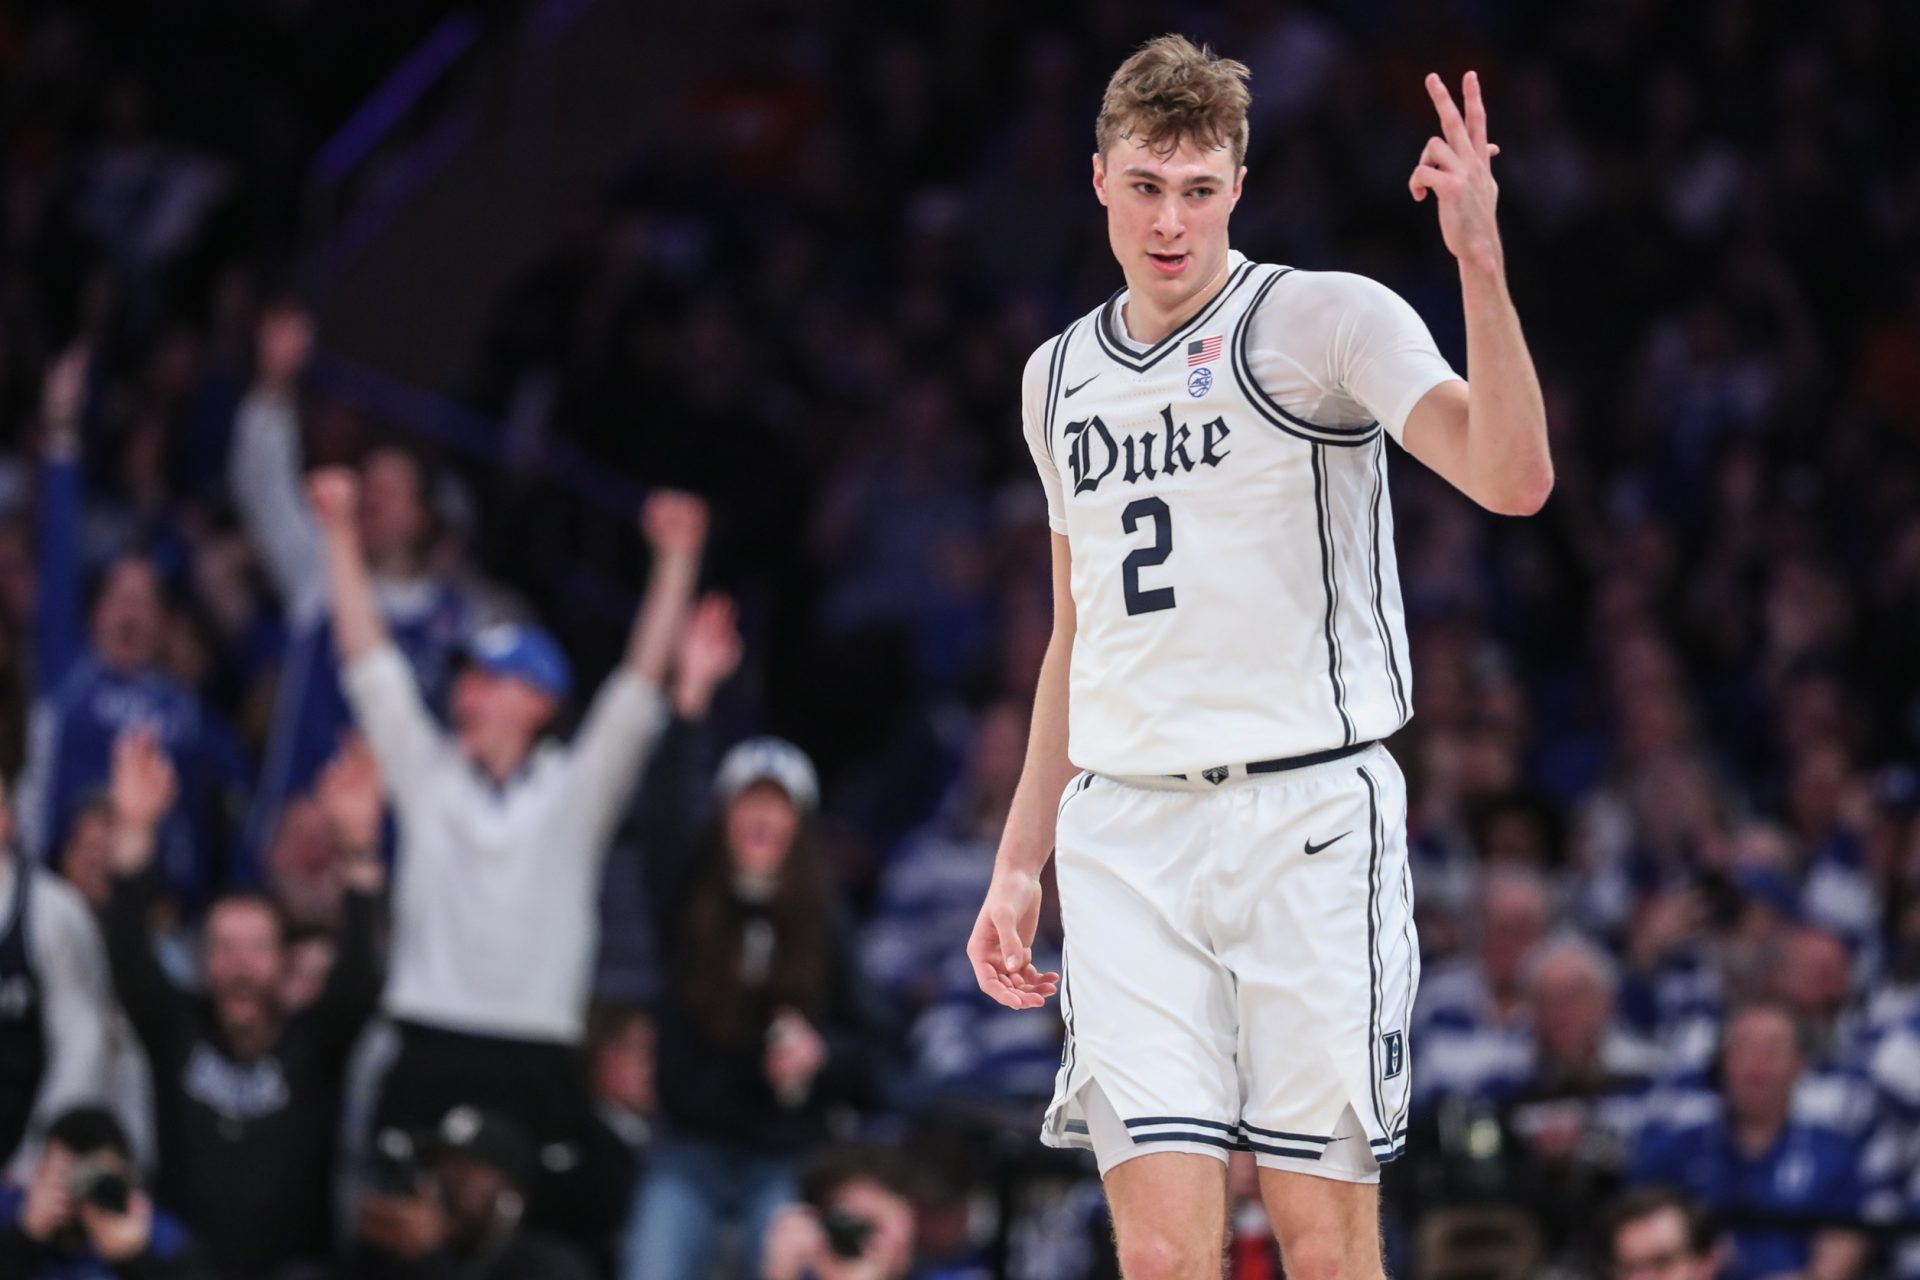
1240,966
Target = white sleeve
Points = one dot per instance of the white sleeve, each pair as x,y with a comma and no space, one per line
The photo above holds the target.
76,1003
263,473
1033,420
610,753
387,706
1339,350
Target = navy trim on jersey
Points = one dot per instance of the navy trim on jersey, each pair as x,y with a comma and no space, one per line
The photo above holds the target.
1373,964
1209,1139
1266,405
1406,1076
1074,788
1230,1137
1322,525
1380,613
1204,1124
1398,1134
1067,1053
1055,363
1297,1153
1107,329
1284,1137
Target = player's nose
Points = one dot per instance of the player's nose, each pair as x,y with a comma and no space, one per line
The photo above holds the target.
1167,223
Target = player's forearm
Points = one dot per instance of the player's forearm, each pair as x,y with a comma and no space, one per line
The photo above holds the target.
663,612
358,628
1028,840
1509,469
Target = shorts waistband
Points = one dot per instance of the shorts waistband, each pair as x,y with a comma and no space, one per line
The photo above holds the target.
1221,775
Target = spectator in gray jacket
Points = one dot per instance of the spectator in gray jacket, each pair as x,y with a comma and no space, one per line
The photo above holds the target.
55,1000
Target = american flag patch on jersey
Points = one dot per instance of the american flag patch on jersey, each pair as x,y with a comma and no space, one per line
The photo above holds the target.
1203,350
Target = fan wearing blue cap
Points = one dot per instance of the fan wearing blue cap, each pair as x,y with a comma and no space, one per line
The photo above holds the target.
502,832
513,685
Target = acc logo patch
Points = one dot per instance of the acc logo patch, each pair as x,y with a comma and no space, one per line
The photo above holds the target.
1199,382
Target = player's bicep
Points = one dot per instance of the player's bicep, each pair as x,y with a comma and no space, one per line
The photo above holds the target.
1436,432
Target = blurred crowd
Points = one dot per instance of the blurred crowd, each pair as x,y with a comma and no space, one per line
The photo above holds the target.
350,928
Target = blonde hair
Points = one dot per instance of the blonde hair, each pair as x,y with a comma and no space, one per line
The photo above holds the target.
1172,91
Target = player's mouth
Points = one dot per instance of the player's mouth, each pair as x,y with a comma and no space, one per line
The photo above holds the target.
1168,264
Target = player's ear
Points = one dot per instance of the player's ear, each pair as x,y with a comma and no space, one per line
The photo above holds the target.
1100,177
1239,181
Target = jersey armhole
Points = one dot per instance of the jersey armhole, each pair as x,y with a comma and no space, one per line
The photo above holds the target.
1056,365
1294,425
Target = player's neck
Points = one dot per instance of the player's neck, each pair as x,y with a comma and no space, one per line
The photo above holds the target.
1146,323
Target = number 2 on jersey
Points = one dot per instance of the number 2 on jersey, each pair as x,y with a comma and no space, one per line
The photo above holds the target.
1157,598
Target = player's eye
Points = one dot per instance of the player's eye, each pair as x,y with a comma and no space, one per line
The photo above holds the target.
1201,192
1145,188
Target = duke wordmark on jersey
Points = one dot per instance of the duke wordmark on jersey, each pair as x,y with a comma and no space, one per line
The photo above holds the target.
1093,452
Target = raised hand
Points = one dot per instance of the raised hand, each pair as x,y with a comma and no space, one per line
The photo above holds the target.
795,1054
282,346
141,789
710,651
64,393
1458,168
334,493
1001,948
349,794
675,522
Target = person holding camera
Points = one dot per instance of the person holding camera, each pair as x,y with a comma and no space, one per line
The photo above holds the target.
854,1222
247,1092
450,1207
84,1216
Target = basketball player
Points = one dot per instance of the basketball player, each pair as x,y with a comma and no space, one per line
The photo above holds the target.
1228,650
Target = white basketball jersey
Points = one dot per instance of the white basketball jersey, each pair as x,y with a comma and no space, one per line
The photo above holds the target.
1234,580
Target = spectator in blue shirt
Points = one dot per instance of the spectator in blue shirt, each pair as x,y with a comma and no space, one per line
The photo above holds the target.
1788,1189
93,683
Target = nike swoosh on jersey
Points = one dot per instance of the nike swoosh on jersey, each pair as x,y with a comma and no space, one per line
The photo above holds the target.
1068,393
1313,848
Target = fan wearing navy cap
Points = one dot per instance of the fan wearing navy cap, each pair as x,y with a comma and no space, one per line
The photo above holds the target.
501,834
460,1216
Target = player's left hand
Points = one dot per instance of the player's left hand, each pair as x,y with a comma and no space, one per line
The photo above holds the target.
1458,169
